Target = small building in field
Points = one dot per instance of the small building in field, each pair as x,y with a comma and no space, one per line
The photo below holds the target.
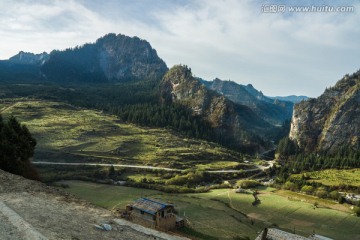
154,214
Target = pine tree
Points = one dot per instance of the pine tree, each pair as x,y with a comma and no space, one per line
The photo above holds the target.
16,148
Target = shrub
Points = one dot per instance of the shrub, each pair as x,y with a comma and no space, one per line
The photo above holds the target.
334,195
307,189
321,193
247,183
357,211
290,186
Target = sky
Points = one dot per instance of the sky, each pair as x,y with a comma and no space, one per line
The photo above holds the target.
277,51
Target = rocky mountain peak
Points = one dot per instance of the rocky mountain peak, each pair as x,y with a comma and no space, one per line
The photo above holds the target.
29,58
122,57
111,58
179,85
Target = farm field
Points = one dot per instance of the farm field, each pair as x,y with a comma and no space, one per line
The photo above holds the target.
206,216
220,213
290,213
334,177
72,134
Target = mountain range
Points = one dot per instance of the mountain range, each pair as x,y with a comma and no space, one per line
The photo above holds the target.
240,115
274,111
112,58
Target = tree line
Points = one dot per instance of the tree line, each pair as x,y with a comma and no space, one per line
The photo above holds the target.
294,160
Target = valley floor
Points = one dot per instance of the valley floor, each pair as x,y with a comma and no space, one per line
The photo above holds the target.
225,214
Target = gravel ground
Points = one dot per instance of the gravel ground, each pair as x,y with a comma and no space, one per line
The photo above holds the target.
54,214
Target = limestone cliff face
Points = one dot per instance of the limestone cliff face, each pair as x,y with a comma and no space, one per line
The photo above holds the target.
123,57
231,121
330,121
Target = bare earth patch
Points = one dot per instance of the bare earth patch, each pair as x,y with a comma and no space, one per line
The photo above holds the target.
54,214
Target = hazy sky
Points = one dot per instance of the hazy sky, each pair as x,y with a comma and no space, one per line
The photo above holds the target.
279,53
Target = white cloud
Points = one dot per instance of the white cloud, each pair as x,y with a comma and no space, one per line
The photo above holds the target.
278,53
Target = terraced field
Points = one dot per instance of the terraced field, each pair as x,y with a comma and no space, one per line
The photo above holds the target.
71,134
334,177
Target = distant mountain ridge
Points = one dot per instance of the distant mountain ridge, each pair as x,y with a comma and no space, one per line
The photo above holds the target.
291,98
330,121
29,58
273,111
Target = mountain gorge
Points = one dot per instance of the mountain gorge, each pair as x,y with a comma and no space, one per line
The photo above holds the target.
273,111
233,122
330,121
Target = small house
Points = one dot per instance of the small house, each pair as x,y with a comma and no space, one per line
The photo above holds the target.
154,214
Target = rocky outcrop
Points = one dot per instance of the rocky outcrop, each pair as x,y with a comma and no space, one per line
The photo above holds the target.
122,57
273,111
232,121
29,58
330,121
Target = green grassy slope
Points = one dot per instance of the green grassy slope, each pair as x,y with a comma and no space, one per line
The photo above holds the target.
68,133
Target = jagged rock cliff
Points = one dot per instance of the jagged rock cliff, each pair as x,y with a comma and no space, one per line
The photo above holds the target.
330,121
233,122
273,111
123,57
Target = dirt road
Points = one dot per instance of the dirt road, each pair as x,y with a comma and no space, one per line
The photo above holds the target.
144,167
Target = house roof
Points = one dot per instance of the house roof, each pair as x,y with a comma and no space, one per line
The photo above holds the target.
148,205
